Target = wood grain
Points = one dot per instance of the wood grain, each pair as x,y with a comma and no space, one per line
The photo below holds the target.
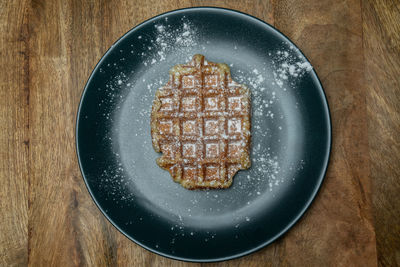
48,49
381,30
14,133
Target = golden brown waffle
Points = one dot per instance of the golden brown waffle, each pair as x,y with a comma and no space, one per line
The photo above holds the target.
200,122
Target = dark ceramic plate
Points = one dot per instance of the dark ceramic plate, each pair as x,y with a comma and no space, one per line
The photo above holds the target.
291,137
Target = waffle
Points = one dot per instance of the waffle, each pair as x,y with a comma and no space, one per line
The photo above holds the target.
200,122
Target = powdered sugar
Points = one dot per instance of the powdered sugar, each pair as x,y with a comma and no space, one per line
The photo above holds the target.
168,38
288,67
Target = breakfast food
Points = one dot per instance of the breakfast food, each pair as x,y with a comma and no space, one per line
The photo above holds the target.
200,122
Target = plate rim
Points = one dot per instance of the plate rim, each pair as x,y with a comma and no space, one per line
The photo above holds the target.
300,213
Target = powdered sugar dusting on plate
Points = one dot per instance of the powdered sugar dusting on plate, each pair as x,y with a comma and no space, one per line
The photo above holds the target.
288,67
168,38
264,162
266,175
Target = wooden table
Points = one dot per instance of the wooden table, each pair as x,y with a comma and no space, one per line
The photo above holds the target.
49,48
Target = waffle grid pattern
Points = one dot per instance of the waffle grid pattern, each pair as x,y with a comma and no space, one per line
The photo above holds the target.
202,125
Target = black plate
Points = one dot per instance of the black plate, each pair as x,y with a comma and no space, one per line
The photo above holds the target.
291,137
